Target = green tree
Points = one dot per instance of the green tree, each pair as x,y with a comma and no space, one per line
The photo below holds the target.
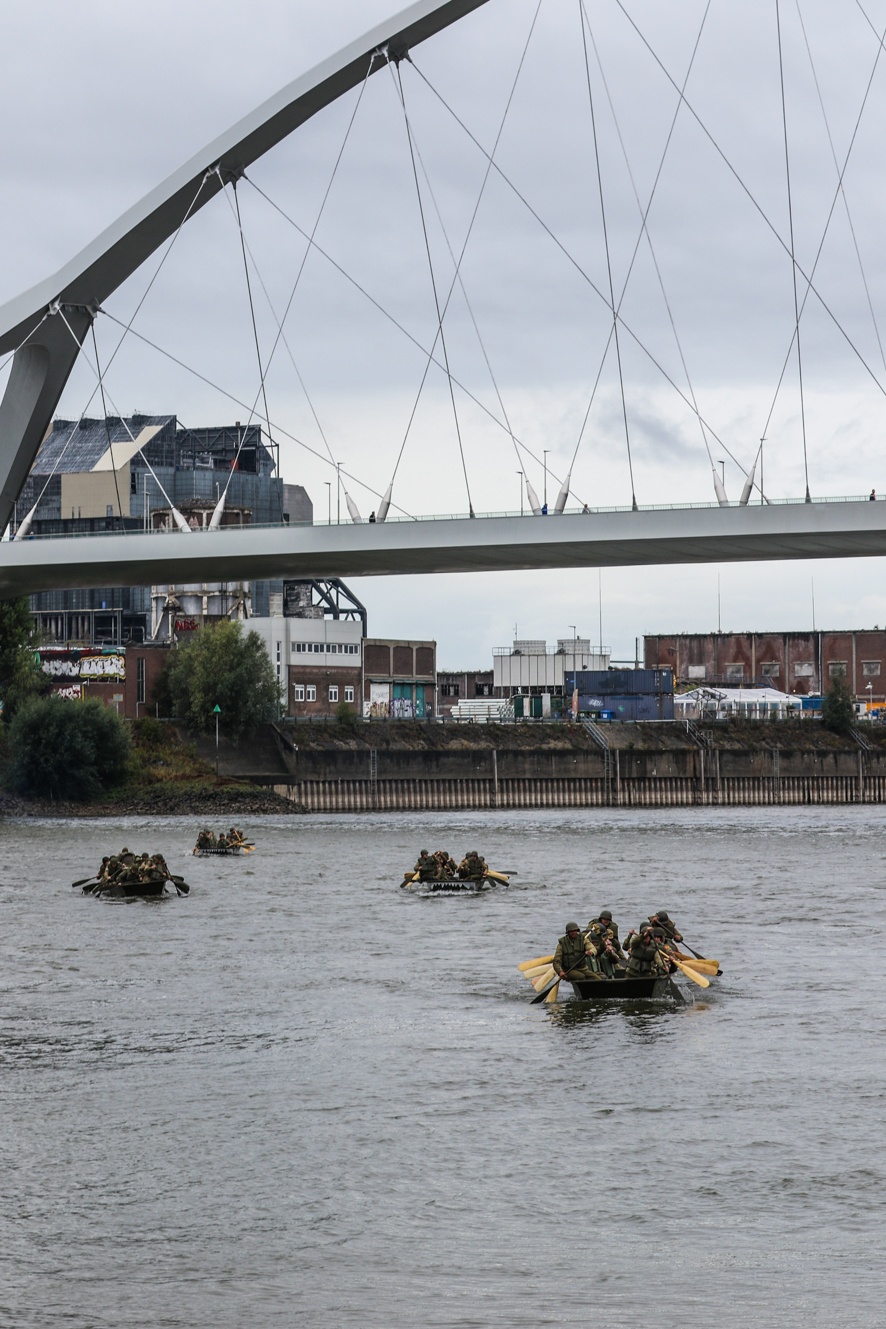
225,667
20,675
67,749
837,709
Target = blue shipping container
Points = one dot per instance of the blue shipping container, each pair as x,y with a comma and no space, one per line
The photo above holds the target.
620,682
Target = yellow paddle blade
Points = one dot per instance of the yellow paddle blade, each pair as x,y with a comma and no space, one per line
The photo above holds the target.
497,876
544,978
700,966
534,973
552,995
539,959
691,973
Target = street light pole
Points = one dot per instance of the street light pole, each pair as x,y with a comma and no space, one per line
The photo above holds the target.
328,484
338,493
520,473
546,451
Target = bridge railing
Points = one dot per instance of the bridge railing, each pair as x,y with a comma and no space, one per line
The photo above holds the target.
465,516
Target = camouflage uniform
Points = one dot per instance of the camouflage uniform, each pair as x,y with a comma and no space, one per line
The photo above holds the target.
644,958
571,958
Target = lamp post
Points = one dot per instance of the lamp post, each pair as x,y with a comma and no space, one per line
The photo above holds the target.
546,451
520,473
328,484
338,493
216,711
870,688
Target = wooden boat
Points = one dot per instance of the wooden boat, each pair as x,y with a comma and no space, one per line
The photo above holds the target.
655,987
455,885
134,890
228,850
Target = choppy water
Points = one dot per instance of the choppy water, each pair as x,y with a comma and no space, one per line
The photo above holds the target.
301,1096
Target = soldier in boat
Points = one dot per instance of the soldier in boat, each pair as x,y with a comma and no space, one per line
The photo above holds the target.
663,920
604,946
222,842
571,958
425,866
645,958
102,872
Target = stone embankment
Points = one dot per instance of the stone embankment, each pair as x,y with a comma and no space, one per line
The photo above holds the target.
415,765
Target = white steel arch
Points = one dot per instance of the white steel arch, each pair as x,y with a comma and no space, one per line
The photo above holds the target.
38,325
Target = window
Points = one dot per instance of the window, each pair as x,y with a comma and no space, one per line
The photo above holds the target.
484,689
299,646
332,648
317,647
870,668
449,690
770,669
310,692
735,673
804,669
837,668
349,694
351,648
298,692
696,671
333,692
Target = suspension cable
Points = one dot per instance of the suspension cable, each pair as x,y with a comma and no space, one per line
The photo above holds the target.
237,401
101,385
841,172
757,206
261,370
414,340
644,219
787,169
398,83
123,420
621,382
457,263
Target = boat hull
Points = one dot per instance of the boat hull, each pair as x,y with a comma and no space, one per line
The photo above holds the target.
208,853
137,890
655,988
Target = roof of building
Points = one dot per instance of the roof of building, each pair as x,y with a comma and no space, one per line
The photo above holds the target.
734,696
74,446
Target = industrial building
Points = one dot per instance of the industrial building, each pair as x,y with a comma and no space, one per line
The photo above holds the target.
527,668
144,472
802,663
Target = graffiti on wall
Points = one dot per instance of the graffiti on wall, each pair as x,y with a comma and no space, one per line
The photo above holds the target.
72,693
86,665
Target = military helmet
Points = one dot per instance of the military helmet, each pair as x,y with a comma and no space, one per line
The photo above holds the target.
606,913
572,927
663,916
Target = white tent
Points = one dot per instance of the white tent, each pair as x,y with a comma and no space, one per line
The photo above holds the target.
749,703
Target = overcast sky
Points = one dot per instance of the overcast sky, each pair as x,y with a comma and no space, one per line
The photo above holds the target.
101,101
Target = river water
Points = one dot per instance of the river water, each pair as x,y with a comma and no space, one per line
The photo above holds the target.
303,1096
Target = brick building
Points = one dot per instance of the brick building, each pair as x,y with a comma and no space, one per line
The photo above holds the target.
122,677
456,685
399,678
794,662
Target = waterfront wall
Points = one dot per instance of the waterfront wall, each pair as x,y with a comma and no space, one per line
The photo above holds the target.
404,795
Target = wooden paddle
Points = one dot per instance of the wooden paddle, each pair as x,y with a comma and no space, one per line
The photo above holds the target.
543,977
690,973
702,966
83,882
532,974
542,996
527,964
496,876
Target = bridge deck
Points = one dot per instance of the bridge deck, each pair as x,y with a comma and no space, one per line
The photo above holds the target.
838,529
